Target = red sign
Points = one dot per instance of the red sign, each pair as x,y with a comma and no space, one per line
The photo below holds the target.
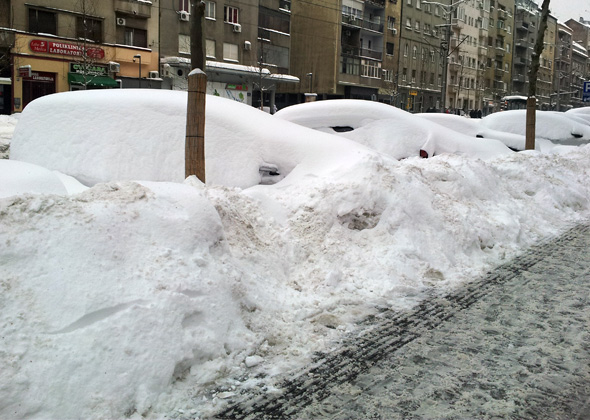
64,48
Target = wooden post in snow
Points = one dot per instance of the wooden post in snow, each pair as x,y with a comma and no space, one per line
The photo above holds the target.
194,160
194,153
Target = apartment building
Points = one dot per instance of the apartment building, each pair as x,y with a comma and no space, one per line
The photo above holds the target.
545,74
422,46
498,61
344,49
465,54
579,73
61,45
247,48
563,67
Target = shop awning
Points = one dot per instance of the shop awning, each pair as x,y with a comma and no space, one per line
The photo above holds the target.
94,81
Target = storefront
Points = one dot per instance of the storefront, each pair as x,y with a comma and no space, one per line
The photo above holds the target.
41,66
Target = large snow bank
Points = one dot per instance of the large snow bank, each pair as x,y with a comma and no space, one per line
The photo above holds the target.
131,286
145,298
553,126
139,134
387,129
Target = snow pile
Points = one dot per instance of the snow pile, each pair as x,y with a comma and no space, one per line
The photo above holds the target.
553,126
7,125
21,178
142,298
388,130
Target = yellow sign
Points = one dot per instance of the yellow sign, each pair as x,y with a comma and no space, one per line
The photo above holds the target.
413,92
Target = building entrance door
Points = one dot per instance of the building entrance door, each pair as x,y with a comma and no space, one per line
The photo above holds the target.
39,84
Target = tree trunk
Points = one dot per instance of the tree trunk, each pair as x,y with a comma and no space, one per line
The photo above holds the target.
531,103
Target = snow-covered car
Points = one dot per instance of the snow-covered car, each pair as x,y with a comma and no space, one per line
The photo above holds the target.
474,128
387,129
552,126
143,138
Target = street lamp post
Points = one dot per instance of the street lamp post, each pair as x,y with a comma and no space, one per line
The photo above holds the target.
138,56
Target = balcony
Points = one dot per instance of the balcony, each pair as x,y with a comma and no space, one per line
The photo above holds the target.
483,33
500,51
454,66
518,78
374,54
522,25
373,26
376,3
350,50
142,9
521,43
498,73
522,61
482,51
352,20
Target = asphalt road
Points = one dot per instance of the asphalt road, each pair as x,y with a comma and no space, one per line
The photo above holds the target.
512,345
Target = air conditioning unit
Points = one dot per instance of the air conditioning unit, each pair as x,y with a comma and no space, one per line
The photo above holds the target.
114,67
394,31
247,45
237,28
154,75
121,22
184,16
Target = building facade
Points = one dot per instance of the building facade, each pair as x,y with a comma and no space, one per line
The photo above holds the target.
61,45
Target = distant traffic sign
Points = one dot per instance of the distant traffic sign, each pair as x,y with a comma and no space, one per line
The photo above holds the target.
586,95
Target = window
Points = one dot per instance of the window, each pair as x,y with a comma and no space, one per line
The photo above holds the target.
87,28
370,68
230,52
135,37
436,10
390,23
417,4
423,54
413,80
508,48
417,25
273,20
408,23
388,75
406,50
41,21
350,65
210,48
184,6
409,2
389,47
230,15
210,10
404,74
184,44
432,56
414,52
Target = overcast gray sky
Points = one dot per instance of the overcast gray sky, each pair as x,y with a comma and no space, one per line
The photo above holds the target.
569,9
